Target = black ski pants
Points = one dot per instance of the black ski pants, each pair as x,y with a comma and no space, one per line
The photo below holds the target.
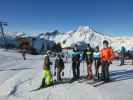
76,69
105,71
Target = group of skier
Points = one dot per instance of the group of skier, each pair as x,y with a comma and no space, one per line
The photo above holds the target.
101,58
47,73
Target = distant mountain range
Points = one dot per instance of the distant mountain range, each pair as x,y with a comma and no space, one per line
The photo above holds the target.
81,35
85,34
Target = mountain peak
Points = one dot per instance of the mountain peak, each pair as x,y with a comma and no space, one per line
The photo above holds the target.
84,29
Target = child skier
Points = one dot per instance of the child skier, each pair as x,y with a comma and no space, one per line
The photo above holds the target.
59,65
88,56
97,60
47,76
106,60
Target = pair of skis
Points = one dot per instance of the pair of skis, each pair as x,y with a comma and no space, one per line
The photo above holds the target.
52,85
99,83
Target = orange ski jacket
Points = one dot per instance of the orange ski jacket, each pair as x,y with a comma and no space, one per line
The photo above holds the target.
107,54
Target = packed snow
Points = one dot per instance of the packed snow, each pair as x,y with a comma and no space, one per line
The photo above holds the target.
19,78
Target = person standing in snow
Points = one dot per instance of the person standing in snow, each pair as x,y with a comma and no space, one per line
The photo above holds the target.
131,55
76,63
106,60
97,62
24,54
59,66
88,56
47,75
122,53
24,46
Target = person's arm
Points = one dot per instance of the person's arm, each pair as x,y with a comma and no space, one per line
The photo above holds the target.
45,62
50,63
63,65
84,54
101,55
111,55
55,65
92,53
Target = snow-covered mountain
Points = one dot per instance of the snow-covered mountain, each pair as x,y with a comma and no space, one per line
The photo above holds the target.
85,34
82,36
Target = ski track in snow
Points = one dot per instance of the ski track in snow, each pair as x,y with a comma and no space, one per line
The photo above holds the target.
17,84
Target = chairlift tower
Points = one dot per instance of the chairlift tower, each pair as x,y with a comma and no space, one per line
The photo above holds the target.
2,32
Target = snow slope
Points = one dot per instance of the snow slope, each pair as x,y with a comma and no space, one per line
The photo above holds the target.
19,78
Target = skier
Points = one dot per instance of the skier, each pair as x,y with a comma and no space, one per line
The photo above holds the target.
47,76
59,65
24,47
88,56
106,60
97,60
131,55
24,54
122,53
76,63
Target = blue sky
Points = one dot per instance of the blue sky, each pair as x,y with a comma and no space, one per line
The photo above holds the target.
114,17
